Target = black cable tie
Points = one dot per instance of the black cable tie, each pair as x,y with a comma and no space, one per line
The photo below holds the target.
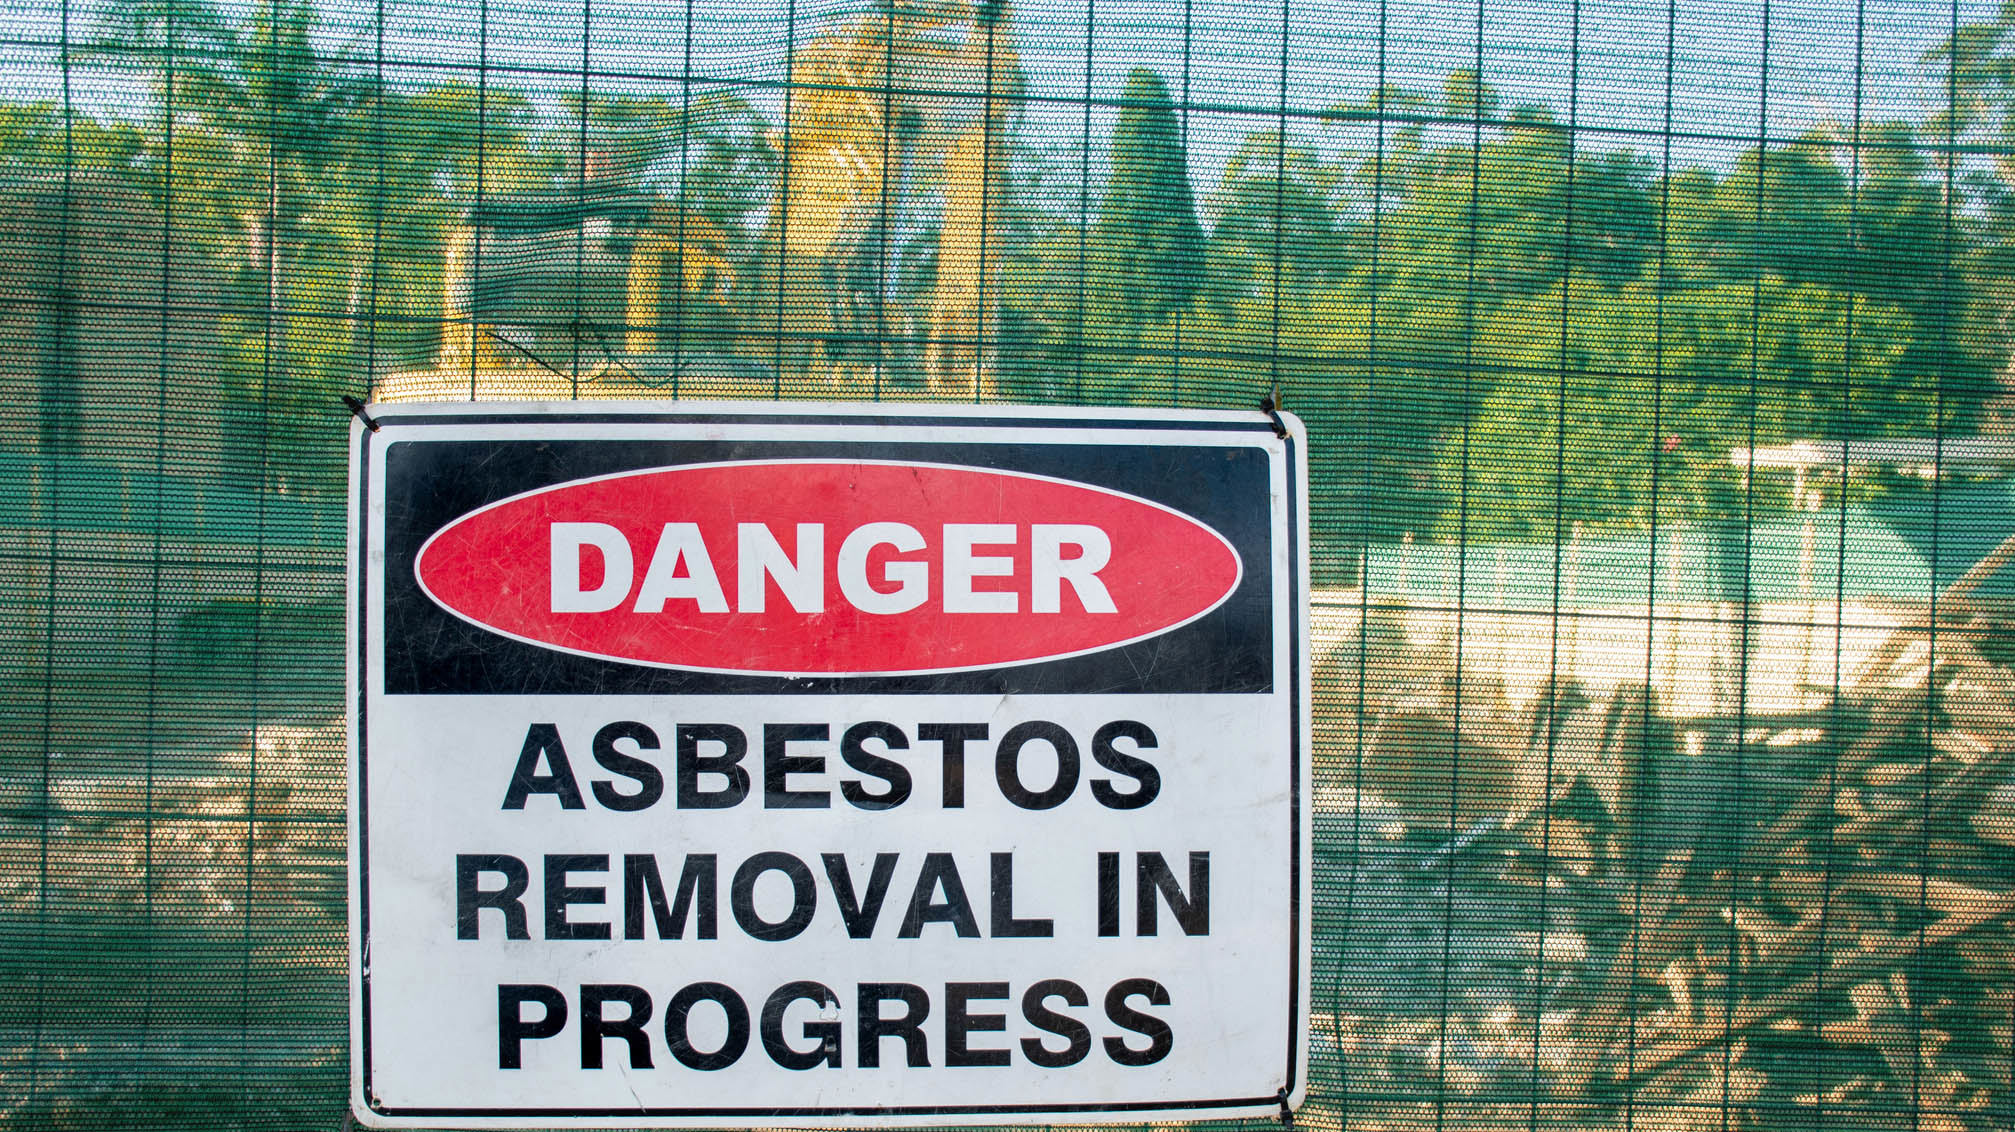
1271,408
357,410
1286,1113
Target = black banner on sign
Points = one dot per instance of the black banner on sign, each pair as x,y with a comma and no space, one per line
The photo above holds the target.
430,484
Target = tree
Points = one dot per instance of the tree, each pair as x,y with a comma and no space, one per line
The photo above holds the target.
1600,408
263,200
1492,223
1273,201
1872,226
1784,213
261,84
1978,61
32,139
1147,244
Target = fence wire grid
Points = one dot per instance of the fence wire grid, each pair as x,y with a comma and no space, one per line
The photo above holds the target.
1655,358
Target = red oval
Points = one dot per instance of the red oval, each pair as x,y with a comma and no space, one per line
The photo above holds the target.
495,567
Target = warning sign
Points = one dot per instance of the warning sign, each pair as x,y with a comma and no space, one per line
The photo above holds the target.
811,764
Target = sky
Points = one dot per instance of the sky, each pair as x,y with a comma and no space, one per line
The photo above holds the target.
1232,73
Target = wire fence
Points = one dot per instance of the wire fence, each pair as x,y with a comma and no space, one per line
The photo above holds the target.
1655,358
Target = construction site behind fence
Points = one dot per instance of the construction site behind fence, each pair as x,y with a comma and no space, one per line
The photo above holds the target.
1655,361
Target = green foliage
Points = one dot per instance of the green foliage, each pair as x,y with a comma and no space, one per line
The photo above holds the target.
1050,345
1077,299
1146,242
32,137
1978,64
262,83
1521,308
1489,225
1467,286
1273,207
1577,426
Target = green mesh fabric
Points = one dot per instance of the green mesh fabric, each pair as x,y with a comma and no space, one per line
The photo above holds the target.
1654,355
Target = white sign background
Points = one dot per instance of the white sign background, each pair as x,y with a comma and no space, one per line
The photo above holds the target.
429,773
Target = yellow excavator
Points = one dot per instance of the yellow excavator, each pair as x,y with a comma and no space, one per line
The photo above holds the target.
879,268
896,171
597,293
